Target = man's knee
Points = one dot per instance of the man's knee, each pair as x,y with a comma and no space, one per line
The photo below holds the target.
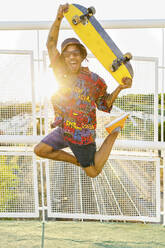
91,172
42,150
37,150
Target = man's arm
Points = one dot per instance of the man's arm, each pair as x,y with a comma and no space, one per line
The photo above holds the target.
127,83
54,33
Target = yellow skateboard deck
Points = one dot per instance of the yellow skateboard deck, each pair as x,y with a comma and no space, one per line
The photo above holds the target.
98,41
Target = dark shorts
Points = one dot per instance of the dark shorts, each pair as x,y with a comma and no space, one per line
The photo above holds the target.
83,153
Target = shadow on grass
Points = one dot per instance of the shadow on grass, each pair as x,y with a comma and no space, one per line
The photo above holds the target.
113,244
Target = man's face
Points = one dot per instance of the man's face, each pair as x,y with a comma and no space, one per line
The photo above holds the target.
73,58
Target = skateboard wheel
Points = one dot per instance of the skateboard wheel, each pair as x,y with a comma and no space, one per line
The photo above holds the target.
84,20
91,11
112,68
76,19
128,56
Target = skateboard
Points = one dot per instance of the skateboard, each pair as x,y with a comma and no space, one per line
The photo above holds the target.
93,35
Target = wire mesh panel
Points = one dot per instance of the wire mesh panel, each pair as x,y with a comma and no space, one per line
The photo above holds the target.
16,101
127,189
18,185
66,198
140,102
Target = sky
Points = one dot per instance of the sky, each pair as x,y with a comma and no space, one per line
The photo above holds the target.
144,43
106,9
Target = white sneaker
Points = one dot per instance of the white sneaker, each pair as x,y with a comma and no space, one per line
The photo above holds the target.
116,123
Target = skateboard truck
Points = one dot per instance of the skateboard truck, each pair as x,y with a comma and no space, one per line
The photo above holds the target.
119,61
84,18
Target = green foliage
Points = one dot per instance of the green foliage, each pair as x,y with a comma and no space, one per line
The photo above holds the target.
8,181
159,131
159,98
136,102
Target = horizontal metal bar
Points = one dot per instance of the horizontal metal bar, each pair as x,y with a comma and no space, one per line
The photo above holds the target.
44,207
20,52
20,139
107,24
161,67
19,215
147,145
103,217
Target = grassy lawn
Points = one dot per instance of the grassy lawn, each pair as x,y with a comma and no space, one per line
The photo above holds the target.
69,234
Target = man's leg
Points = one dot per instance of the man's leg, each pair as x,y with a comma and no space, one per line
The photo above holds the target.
103,153
101,156
45,151
51,147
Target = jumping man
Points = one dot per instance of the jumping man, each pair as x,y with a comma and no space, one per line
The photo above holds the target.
80,92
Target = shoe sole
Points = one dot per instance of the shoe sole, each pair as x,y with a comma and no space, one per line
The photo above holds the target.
122,117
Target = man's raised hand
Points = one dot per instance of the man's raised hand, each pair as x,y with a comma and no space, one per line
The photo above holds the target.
62,9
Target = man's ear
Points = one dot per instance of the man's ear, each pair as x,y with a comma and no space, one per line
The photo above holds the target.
82,57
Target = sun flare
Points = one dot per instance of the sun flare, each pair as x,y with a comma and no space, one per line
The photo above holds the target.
46,85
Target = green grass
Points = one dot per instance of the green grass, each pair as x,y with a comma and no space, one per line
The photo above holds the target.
69,234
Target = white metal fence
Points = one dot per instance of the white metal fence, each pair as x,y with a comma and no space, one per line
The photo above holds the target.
128,188
18,185
125,190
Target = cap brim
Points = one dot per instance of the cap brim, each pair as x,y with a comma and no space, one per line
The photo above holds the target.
74,43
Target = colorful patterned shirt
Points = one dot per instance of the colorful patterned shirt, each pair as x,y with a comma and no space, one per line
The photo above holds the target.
75,106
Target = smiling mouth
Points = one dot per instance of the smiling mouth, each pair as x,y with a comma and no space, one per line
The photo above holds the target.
73,65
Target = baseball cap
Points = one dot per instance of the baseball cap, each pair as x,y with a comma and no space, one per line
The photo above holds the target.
73,41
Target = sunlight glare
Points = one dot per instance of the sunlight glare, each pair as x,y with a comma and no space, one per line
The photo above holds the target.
47,85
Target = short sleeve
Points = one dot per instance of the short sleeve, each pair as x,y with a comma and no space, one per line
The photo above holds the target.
102,95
